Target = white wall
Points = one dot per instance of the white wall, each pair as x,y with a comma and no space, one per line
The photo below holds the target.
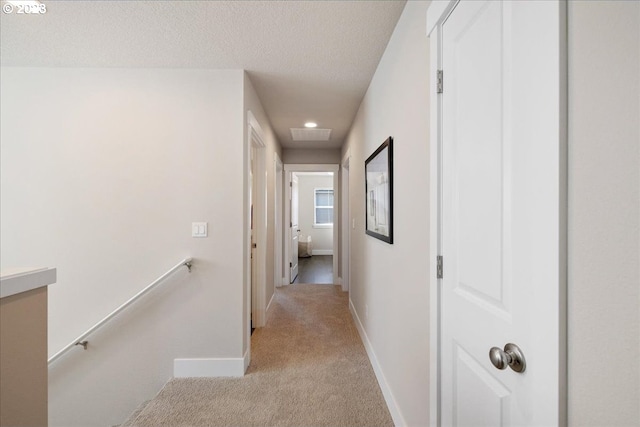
322,238
102,173
604,216
302,156
391,280
604,213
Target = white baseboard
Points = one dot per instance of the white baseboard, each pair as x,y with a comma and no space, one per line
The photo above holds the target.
398,419
322,252
214,367
339,281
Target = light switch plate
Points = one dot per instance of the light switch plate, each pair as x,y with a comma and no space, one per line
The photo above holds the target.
198,229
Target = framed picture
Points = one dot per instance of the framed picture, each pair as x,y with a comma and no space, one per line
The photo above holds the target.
379,192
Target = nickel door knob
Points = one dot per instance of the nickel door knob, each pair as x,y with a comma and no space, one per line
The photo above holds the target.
512,356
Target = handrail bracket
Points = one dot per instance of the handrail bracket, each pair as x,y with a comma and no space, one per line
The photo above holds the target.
83,344
188,265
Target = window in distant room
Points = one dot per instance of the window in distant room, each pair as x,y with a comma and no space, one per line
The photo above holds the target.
323,207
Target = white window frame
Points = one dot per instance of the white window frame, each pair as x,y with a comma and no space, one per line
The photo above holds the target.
315,208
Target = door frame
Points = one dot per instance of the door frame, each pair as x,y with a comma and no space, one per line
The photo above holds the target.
437,14
278,276
255,139
335,168
293,238
345,226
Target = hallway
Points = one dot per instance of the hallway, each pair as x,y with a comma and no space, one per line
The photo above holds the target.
308,368
137,134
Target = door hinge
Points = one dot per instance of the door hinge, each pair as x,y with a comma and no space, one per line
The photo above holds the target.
290,184
440,81
290,264
439,267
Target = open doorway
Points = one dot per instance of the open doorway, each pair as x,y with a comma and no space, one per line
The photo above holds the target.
313,213
310,216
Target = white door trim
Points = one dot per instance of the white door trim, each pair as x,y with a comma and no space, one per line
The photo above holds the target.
293,238
278,222
345,227
437,14
255,139
336,191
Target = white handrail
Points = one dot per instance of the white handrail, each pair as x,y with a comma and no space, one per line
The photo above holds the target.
187,262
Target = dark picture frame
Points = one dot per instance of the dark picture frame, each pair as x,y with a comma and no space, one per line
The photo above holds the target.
379,192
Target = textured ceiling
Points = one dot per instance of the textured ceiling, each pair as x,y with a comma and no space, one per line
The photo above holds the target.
308,60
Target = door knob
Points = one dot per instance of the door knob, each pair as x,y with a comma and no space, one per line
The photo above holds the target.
511,356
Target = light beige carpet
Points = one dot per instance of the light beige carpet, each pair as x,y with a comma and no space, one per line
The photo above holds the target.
308,368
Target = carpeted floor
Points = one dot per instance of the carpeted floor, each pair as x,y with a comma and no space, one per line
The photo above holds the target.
308,368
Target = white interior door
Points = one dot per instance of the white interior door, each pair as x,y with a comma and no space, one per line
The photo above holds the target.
502,212
294,231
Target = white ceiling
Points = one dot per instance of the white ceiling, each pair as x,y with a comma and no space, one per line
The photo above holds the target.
308,60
